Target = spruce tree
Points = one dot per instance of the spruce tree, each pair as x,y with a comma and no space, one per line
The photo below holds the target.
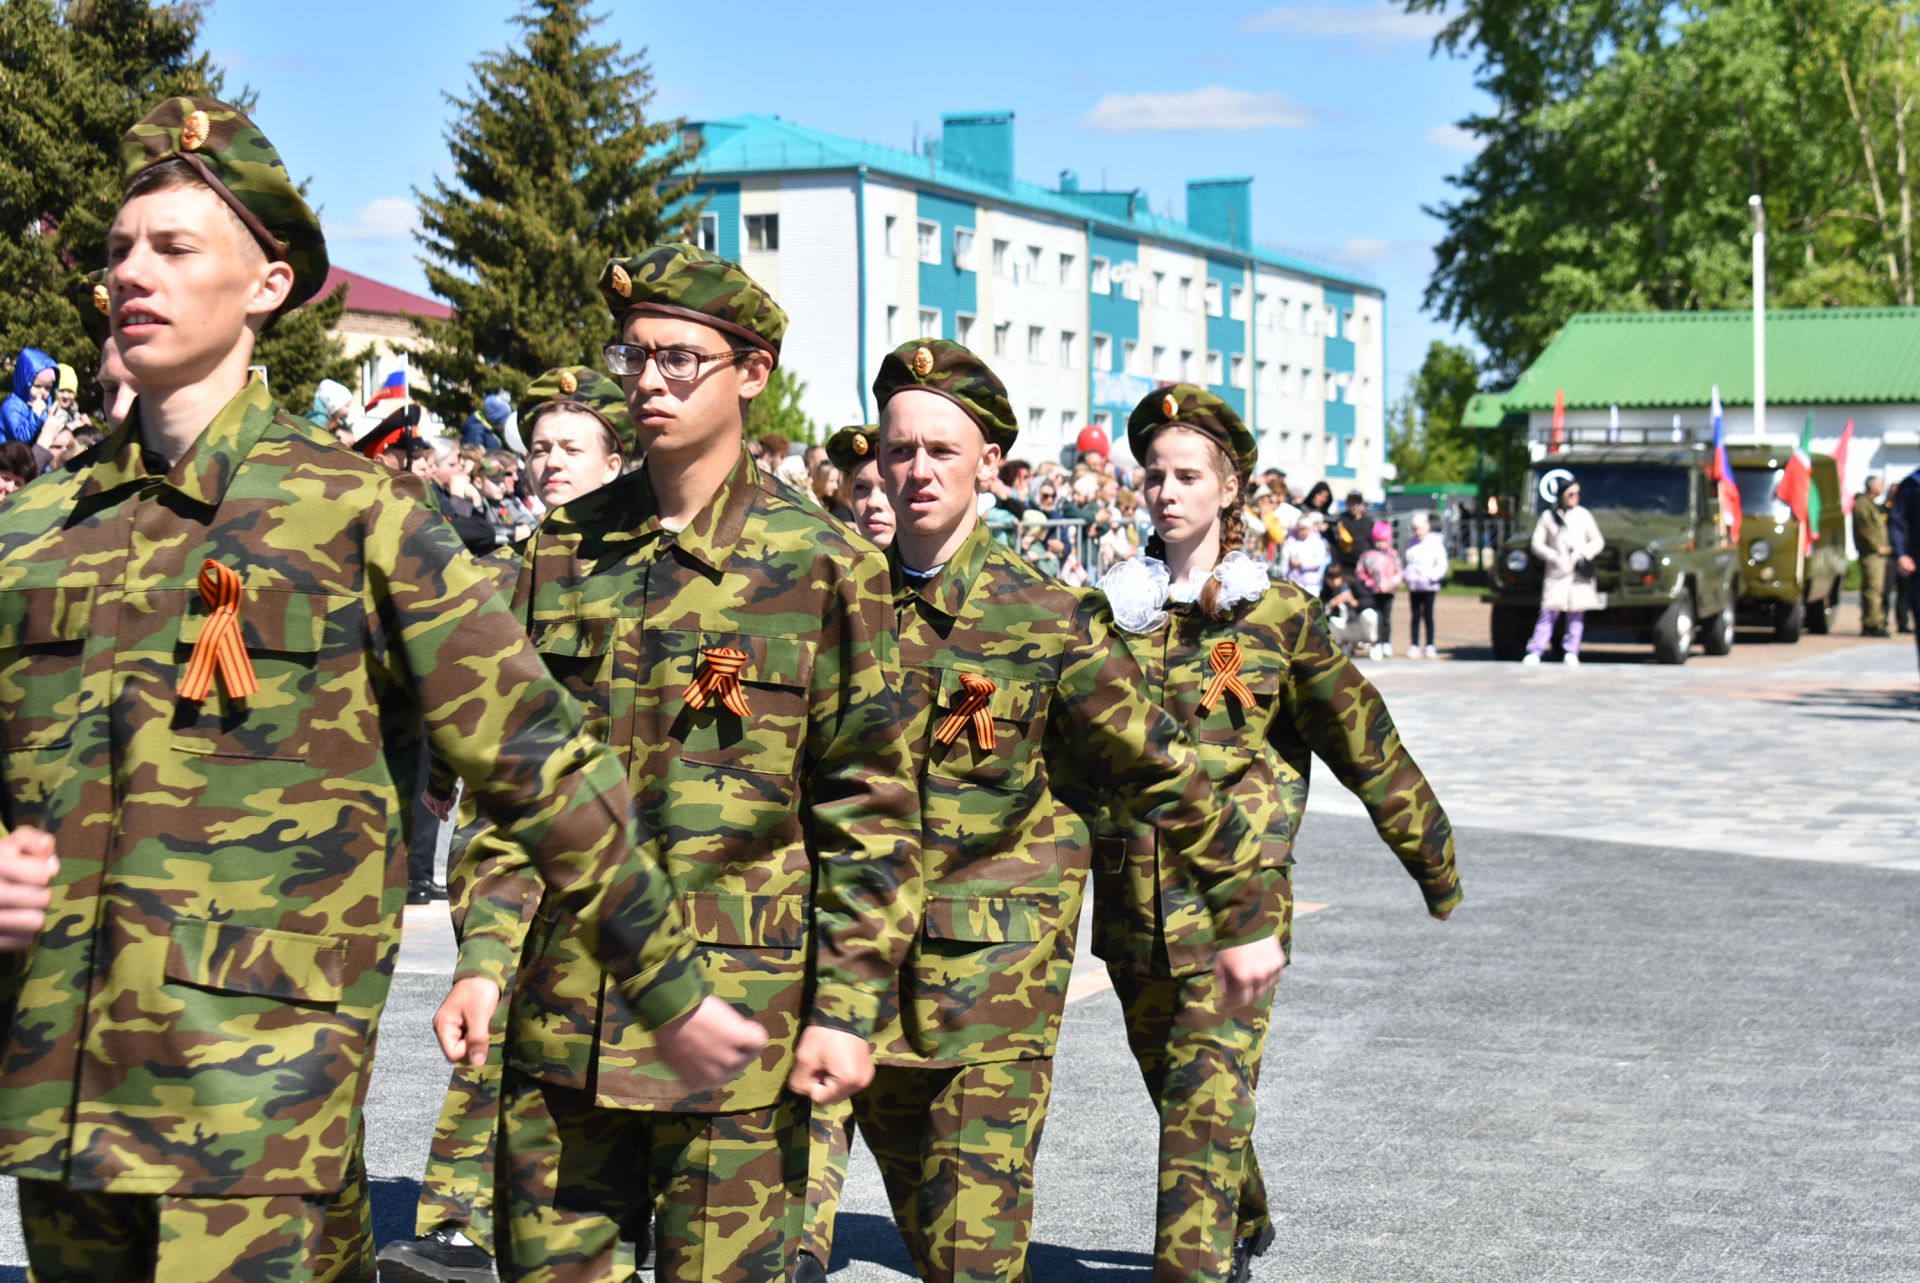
301,349
556,168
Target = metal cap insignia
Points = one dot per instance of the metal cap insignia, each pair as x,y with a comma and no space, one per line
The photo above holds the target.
859,443
195,132
568,383
100,301
622,283
1169,406
922,362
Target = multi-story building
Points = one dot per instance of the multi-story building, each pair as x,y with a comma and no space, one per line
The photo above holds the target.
1083,300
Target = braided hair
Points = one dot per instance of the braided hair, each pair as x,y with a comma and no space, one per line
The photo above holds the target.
1233,524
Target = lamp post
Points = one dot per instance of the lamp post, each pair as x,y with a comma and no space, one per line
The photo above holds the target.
1759,317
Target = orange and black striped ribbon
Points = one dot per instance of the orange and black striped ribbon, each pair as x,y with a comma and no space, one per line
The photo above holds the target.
972,708
220,645
1226,677
719,679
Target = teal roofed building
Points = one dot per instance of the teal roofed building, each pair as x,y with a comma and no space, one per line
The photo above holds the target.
1083,301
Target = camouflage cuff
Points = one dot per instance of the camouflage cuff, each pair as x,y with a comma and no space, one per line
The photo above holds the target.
850,1008
1443,898
487,958
661,995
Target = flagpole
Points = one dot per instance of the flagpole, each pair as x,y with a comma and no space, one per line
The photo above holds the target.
1759,317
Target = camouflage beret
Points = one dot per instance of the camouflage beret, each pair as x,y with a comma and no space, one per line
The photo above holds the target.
684,281
849,448
580,387
1193,407
96,306
946,368
234,158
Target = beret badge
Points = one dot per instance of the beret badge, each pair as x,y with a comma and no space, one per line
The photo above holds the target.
1169,406
859,443
100,299
568,383
922,363
622,283
195,132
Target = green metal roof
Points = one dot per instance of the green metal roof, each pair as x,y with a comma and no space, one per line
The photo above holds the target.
1485,410
1657,359
751,144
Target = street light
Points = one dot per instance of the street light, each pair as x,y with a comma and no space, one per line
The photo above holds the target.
1759,317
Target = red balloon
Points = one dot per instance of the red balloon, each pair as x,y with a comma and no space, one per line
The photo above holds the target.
1093,440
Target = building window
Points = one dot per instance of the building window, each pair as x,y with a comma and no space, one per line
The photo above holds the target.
1216,368
1286,380
890,236
1160,289
708,237
1103,420
1186,293
1306,381
1309,319
1161,370
928,235
1260,377
1263,311
1187,372
963,329
1033,264
1066,270
1036,419
963,248
1103,351
763,232
1036,338
1366,389
1000,336
1333,387
1129,274
1102,276
1130,357
1067,353
930,322
1239,370
1213,298
1237,303
893,325
1066,424
1346,323
1001,266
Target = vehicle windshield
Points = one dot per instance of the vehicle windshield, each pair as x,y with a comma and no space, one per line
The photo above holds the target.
1759,493
1634,487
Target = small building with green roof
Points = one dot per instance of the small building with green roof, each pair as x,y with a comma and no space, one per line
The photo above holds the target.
1858,363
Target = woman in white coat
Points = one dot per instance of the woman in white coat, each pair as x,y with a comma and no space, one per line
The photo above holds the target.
1566,541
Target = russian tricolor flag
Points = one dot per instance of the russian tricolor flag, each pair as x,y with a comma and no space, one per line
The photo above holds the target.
1721,472
394,389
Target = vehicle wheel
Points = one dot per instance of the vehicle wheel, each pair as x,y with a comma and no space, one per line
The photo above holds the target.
1673,632
1820,613
1512,626
1787,628
1716,635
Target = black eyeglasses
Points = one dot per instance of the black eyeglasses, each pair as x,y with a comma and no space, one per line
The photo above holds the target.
677,363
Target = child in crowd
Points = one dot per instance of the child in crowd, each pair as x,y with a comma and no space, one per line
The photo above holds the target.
1426,571
1349,611
1304,556
1379,572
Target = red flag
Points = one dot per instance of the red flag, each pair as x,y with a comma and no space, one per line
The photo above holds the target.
1559,441
1840,467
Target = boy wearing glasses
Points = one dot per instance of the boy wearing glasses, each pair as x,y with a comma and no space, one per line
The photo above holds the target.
737,645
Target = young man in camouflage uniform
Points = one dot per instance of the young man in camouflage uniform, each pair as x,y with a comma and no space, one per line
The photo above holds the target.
736,641
454,1229
221,640
1021,717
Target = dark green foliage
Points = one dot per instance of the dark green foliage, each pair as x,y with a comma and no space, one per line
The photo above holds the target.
1425,439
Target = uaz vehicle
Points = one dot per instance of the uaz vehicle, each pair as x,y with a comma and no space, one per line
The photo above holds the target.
1779,588
1666,575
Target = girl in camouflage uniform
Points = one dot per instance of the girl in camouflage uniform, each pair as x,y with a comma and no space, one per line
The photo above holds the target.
1251,671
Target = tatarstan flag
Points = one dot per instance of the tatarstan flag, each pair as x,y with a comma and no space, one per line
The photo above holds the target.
1797,490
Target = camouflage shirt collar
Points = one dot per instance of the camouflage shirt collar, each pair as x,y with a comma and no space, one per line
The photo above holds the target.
949,591
207,468
715,529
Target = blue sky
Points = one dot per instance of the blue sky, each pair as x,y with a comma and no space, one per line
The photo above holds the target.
1337,109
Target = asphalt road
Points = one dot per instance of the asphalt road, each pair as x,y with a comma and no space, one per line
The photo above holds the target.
1685,1056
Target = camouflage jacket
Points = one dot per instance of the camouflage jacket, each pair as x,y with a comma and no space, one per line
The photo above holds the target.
1308,698
1003,848
789,828
198,1015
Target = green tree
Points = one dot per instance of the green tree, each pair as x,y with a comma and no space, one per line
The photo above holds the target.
556,168
1626,136
778,409
1426,442
301,349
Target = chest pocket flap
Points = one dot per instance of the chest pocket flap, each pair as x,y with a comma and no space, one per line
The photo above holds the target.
574,638
285,634
289,623
1260,672
1018,707
982,919
43,633
43,616
775,678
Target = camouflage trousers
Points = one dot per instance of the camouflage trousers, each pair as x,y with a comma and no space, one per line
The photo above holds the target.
458,1188
726,1192
85,1236
955,1148
1201,1073
828,1148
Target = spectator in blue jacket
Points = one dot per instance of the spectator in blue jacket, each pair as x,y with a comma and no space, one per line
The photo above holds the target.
1903,532
483,429
22,413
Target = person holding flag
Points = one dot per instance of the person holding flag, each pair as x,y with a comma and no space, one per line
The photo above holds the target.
1721,473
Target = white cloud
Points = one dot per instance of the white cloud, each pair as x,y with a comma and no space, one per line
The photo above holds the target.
1364,250
1212,108
1380,21
1453,138
386,218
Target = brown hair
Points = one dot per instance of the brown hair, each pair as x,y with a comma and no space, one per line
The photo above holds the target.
609,439
1233,530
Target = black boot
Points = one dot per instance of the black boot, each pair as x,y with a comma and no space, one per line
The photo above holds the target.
444,1256
808,1269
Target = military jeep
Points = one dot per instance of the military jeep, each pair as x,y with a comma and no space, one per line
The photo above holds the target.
1779,588
1666,575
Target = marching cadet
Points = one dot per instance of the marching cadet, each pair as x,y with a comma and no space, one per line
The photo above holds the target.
852,452
1249,668
575,421
736,643
1020,713
222,639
